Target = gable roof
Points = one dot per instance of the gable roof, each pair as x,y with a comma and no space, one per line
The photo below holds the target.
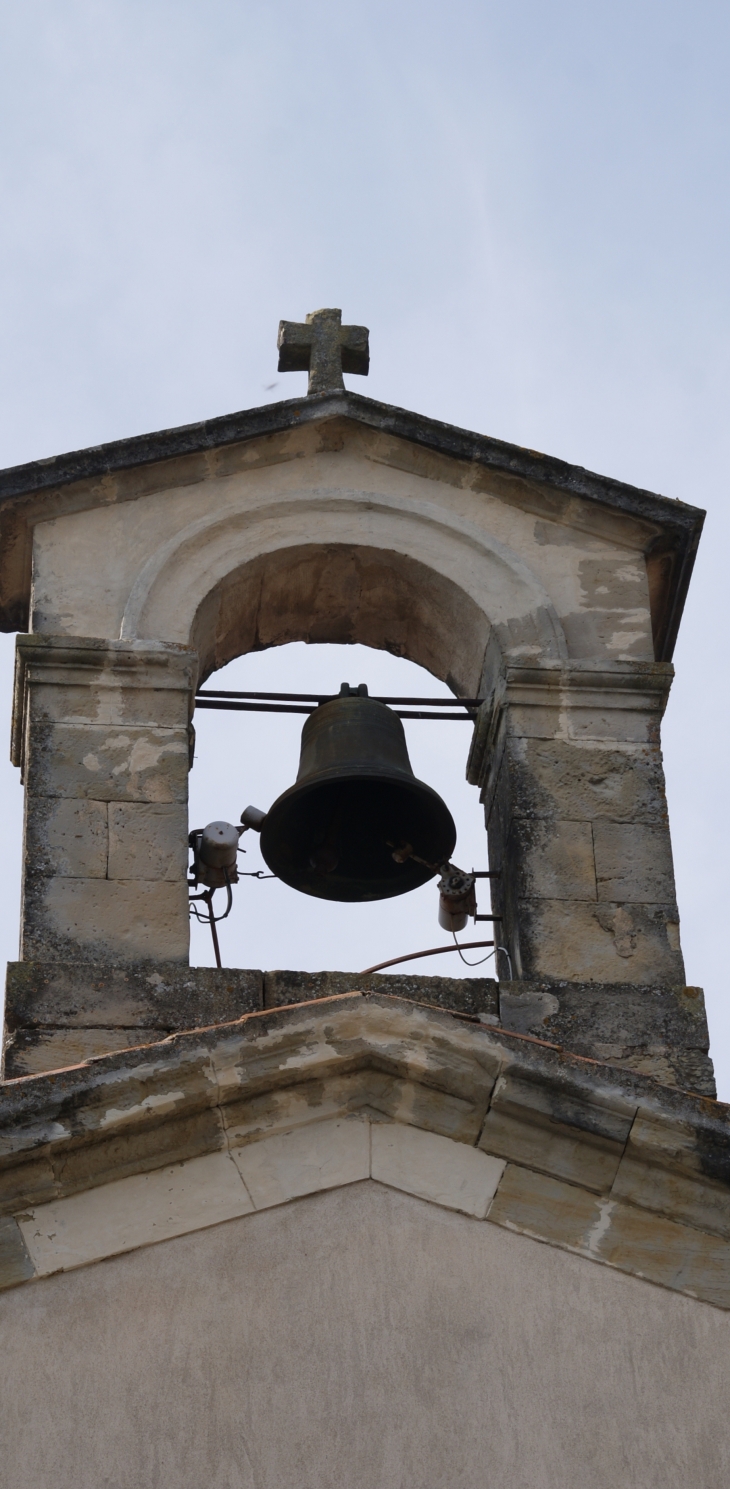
670,551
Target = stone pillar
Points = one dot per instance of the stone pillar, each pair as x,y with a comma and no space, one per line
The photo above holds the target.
567,755
101,732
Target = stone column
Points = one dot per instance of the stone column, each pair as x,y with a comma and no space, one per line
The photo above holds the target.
101,732
567,755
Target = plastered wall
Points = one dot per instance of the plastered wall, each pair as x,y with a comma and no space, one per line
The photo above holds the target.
360,1339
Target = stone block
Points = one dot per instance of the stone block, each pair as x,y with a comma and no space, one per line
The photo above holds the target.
15,1263
593,784
322,1155
370,1091
24,1184
678,1170
60,1013
620,1235
145,995
552,860
602,722
148,840
281,1109
67,837
34,1051
433,1168
673,1255
116,705
108,764
581,942
473,995
661,1031
558,1132
146,1140
129,920
534,720
633,863
137,1211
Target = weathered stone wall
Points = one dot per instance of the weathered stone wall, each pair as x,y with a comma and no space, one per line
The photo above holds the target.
101,735
58,1013
568,759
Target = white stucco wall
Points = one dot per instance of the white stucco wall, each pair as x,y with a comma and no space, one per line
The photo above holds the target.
360,1339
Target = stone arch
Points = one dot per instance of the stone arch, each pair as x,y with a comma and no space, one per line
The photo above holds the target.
344,566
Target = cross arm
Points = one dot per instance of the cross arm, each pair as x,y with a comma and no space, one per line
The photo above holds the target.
355,349
295,345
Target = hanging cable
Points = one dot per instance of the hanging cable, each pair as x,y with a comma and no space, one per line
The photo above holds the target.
482,959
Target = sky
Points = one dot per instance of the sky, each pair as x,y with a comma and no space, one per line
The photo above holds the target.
525,201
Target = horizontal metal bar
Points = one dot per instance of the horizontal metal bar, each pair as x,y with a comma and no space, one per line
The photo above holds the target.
269,697
226,703
204,700
442,702
318,698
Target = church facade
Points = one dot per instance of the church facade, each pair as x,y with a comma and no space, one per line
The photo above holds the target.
391,1232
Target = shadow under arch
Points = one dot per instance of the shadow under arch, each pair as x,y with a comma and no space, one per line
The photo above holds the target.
340,593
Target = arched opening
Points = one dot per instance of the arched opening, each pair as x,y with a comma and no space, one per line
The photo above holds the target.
343,594
244,758
414,593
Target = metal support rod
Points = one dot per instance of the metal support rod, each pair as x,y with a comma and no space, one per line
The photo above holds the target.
205,701
435,951
327,698
211,920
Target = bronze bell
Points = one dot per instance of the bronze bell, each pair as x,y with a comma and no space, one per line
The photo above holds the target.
356,825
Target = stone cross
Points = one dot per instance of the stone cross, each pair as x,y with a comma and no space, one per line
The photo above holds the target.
324,348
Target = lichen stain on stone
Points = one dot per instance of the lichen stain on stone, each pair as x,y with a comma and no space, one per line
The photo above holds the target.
114,1116
600,1228
146,755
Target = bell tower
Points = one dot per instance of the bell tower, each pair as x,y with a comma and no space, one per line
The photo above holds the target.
547,597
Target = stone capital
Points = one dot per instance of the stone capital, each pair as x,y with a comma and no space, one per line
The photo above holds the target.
86,664
614,704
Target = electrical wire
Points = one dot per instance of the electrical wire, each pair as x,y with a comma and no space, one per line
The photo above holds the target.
481,959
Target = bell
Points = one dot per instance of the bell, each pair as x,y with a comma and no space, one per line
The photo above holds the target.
356,825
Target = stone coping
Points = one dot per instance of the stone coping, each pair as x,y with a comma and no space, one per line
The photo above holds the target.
448,439
59,1013
602,1162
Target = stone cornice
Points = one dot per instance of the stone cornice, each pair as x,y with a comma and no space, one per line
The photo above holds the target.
673,527
70,661
581,1155
573,690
